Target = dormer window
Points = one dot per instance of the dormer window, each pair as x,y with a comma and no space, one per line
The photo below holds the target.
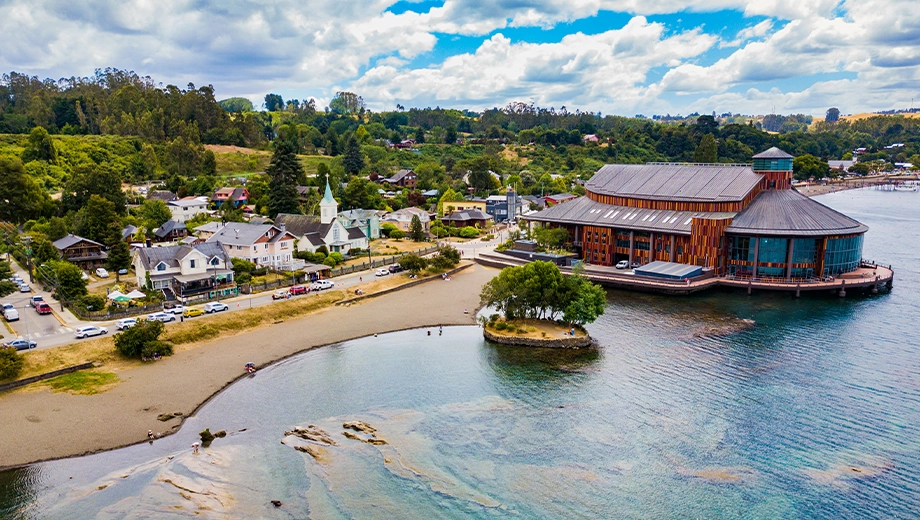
215,261
161,266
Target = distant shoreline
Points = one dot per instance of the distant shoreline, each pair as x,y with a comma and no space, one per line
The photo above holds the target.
813,190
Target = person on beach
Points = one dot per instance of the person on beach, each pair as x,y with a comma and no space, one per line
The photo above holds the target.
195,447
150,434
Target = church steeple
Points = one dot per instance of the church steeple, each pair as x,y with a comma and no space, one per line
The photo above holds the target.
329,208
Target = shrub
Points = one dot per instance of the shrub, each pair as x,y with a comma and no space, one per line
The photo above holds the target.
92,302
397,234
501,325
10,363
335,255
243,278
141,339
7,287
413,262
329,261
156,347
386,228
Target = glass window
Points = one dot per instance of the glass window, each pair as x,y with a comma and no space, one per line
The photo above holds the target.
842,255
191,263
741,249
804,250
772,251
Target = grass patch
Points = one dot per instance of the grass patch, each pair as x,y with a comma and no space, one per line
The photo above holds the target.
311,162
84,382
100,351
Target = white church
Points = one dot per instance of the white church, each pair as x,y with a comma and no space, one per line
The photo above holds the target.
326,230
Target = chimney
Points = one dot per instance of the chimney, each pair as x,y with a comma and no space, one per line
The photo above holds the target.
283,228
237,233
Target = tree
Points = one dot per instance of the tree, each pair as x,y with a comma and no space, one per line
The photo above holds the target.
397,234
71,284
413,262
707,151
346,103
446,258
587,302
285,173
88,180
386,228
39,147
10,363
119,258
236,104
361,194
154,213
142,340
273,102
550,238
353,160
449,196
450,135
808,166
21,198
833,115
416,231
98,221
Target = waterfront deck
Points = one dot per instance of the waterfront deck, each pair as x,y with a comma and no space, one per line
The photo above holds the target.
869,279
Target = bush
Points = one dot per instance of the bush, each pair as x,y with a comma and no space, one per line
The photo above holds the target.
156,347
397,234
469,232
501,325
386,228
412,262
10,363
329,261
243,278
92,302
335,255
141,339
7,287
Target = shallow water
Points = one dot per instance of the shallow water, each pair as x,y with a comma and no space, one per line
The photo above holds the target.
685,410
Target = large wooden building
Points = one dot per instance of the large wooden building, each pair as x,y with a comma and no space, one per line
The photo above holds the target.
740,220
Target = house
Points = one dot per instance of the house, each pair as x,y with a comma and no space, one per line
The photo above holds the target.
468,217
185,208
402,219
590,138
431,193
363,219
240,196
83,252
449,207
403,178
208,229
326,230
262,244
128,232
504,207
534,202
559,198
304,191
187,273
165,196
170,231
841,165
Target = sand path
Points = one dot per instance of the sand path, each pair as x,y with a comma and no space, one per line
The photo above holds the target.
39,424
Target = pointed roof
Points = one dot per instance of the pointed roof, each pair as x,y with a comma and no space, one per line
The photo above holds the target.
327,197
773,153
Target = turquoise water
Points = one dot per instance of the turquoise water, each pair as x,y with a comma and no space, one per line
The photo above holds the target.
721,405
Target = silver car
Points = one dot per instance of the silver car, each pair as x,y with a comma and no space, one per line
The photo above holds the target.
90,330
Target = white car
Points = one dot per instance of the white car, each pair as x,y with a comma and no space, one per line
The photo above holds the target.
102,273
623,264
214,307
162,316
90,330
320,285
177,310
125,323
382,272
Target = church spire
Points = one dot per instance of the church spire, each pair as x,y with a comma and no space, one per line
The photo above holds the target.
329,208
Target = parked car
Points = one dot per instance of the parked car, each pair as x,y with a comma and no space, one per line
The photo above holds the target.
383,271
102,273
299,289
24,287
35,300
320,285
175,310
162,316
90,330
21,344
6,306
122,271
635,265
396,268
10,314
623,264
43,308
125,323
214,307
280,294
191,312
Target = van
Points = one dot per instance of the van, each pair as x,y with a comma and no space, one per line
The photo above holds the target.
11,314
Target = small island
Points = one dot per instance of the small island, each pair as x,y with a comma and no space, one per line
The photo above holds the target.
540,307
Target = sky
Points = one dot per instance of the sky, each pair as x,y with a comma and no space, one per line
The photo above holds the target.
623,57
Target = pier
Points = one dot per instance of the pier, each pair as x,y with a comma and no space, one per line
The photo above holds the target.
869,278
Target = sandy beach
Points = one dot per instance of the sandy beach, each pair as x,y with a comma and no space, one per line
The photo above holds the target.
40,424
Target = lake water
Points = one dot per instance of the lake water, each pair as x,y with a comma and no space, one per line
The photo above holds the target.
719,405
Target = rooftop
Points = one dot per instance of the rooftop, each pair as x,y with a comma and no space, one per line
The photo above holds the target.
789,213
684,182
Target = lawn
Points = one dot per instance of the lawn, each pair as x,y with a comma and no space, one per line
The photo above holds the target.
85,382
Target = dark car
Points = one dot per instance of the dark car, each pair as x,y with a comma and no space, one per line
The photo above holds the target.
43,308
396,268
21,344
298,289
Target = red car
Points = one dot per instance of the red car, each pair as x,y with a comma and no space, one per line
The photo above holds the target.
43,308
299,289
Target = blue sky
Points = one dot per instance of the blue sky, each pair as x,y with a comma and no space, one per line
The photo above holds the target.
613,56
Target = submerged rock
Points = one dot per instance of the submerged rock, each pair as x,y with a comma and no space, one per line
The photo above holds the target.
312,433
359,426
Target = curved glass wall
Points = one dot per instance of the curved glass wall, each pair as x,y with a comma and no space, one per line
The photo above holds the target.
804,257
842,255
772,252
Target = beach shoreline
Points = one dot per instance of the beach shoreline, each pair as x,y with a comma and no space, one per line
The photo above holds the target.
42,425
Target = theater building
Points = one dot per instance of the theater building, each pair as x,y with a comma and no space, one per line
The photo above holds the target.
736,220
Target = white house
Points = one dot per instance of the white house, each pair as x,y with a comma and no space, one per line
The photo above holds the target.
193,272
262,244
402,218
328,230
186,208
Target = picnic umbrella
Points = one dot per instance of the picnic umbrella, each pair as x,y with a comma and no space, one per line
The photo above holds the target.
115,294
135,294
122,299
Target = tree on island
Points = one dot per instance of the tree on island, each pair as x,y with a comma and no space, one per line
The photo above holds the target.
538,290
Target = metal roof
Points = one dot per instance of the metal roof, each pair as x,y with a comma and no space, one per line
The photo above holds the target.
72,240
588,212
675,182
789,213
670,270
773,153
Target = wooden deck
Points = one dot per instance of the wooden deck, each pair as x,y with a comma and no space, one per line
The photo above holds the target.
868,279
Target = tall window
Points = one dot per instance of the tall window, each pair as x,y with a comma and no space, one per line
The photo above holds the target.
842,255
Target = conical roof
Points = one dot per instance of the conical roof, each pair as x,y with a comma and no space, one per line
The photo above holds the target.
773,153
327,197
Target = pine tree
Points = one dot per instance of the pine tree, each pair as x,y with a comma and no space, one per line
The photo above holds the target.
353,161
284,172
119,258
707,151
416,233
